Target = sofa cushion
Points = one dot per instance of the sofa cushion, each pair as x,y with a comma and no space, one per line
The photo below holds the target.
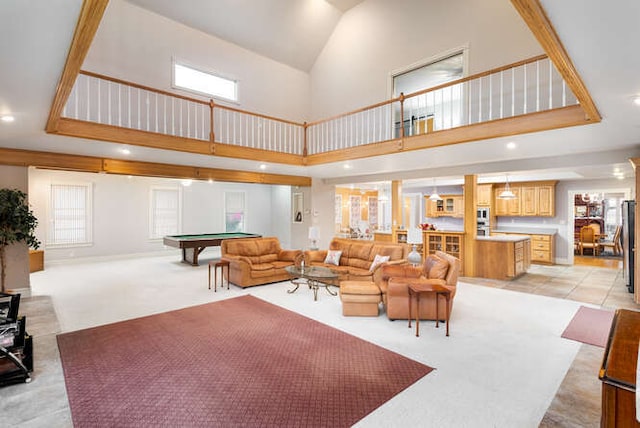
395,252
359,256
261,266
268,258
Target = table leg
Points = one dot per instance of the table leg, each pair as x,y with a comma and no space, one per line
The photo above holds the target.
437,309
209,276
228,275
418,314
215,278
409,300
295,282
447,297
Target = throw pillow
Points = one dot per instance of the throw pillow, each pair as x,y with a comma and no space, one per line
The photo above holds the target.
378,259
333,257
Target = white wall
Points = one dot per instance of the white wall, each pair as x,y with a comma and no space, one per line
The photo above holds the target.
137,45
17,255
380,36
121,211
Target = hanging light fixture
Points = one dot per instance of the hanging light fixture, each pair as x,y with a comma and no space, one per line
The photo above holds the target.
507,193
434,196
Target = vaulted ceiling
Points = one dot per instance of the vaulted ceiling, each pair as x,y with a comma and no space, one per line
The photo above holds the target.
599,37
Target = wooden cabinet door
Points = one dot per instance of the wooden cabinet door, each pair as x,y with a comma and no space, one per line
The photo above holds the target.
429,208
529,201
546,201
501,206
485,193
513,205
458,206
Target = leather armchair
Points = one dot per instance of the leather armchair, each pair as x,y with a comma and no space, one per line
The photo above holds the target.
394,281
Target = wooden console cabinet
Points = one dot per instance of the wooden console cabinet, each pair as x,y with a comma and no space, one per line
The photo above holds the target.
450,242
618,371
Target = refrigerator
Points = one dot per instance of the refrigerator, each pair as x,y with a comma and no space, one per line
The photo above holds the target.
628,242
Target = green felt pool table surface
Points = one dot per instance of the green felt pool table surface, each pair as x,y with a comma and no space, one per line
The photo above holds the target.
193,245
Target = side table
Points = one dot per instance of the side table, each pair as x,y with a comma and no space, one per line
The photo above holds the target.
222,264
426,286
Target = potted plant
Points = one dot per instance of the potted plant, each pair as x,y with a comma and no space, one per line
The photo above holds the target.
17,224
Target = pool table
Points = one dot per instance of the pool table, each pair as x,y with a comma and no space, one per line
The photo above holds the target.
193,245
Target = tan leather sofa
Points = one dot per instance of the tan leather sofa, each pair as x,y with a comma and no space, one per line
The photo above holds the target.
441,268
256,261
357,257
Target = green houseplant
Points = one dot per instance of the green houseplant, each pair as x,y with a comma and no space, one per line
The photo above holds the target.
17,224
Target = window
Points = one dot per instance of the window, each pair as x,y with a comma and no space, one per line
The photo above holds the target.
70,215
185,77
439,109
164,212
234,215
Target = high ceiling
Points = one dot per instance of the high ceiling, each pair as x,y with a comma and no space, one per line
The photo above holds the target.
35,38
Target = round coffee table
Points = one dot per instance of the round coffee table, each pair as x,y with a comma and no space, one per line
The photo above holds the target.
314,276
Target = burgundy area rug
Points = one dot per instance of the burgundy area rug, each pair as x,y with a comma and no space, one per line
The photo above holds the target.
237,362
590,326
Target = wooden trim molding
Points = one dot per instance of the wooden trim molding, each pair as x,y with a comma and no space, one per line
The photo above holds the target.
61,161
90,16
536,18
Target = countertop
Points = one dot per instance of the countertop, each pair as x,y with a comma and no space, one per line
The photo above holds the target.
526,230
461,232
503,238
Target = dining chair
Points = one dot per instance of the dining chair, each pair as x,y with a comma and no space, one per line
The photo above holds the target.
588,240
614,244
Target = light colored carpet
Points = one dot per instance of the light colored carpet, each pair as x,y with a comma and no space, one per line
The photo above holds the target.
500,367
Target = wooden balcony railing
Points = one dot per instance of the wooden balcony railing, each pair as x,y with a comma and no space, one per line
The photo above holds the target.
524,88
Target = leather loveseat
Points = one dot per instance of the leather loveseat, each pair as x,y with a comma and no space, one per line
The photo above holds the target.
393,281
255,261
357,257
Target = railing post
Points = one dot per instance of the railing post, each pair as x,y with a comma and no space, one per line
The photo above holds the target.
212,136
304,140
402,115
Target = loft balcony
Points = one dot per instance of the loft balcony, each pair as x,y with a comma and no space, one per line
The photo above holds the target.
528,96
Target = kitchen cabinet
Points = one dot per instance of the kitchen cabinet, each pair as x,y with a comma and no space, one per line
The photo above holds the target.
484,194
449,206
542,246
449,242
507,207
503,257
533,199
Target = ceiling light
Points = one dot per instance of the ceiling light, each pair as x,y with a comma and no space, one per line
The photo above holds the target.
7,118
434,196
263,166
187,182
347,166
636,100
511,145
125,151
507,193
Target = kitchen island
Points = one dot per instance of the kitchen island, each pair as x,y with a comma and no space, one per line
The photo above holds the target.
502,257
542,241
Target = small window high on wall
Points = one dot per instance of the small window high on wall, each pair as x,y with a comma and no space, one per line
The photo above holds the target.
164,212
204,83
70,215
234,211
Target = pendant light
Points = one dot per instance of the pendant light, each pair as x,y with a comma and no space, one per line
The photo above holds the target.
434,196
507,193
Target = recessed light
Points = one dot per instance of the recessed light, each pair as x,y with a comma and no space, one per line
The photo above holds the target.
511,145
347,166
187,183
636,100
125,151
7,118
263,166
